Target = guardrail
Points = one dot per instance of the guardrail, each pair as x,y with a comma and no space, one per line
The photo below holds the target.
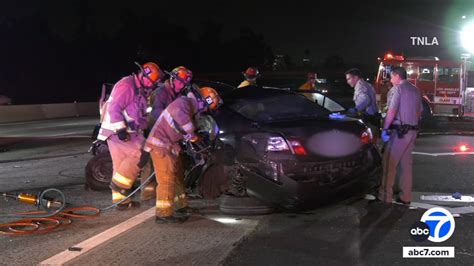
19,113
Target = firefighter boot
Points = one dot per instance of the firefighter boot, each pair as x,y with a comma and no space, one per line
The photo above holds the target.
186,211
128,205
170,219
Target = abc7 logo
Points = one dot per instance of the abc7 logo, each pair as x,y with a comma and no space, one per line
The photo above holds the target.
436,225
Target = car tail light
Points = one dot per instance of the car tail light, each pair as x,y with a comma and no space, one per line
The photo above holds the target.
298,149
366,136
277,144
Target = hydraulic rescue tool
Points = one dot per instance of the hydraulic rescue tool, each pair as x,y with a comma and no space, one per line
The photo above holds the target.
51,203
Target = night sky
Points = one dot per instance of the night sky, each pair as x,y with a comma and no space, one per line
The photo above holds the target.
50,45
359,31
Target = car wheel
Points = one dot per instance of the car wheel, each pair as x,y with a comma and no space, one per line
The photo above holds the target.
99,172
213,182
244,206
427,119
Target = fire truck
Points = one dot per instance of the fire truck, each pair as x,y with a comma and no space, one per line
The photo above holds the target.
443,84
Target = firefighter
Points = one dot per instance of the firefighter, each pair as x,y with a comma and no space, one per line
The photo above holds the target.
124,119
175,123
364,100
180,77
250,75
399,132
310,84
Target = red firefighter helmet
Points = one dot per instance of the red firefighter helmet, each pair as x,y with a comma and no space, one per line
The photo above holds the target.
152,71
182,74
251,73
211,97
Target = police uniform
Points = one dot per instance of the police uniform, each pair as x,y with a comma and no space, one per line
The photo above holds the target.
365,103
406,99
364,98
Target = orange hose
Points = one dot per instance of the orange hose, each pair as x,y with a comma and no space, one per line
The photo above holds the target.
45,225
11,231
76,212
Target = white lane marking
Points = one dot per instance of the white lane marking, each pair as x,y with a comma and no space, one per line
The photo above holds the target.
442,153
453,210
99,239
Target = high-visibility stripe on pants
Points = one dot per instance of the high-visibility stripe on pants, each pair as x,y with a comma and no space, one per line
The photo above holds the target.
168,169
117,196
164,204
125,157
122,181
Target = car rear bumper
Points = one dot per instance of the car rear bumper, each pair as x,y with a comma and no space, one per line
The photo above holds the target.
292,191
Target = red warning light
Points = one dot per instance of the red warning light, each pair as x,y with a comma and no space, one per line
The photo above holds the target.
463,148
390,56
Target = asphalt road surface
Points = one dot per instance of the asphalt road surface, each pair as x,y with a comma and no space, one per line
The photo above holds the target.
73,127
343,231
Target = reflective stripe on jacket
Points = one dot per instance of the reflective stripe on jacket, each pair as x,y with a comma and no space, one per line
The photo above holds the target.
125,108
175,123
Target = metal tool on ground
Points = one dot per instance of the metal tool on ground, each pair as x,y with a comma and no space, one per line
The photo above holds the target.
51,203
52,212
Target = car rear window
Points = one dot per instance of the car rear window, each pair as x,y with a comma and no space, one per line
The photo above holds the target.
277,107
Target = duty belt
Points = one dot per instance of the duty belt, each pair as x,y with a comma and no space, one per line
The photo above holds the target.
403,129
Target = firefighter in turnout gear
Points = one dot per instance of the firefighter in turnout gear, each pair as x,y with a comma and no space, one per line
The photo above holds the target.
122,123
176,123
180,78
310,83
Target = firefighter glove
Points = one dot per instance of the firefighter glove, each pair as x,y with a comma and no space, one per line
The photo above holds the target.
122,134
144,158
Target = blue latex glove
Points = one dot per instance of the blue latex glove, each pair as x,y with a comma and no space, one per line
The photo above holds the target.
336,116
352,111
385,136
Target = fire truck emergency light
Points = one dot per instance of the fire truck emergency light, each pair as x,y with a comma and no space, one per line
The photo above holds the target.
467,37
390,56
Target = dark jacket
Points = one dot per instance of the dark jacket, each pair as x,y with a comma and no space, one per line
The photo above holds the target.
163,97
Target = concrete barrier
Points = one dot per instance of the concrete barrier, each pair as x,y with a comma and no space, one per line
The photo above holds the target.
19,113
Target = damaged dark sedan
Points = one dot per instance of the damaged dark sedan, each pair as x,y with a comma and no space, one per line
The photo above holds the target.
286,148
290,150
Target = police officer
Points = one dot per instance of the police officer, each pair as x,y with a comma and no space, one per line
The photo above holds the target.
399,132
364,100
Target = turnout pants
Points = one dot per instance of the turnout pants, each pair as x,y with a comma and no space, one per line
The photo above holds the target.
398,153
170,192
125,157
